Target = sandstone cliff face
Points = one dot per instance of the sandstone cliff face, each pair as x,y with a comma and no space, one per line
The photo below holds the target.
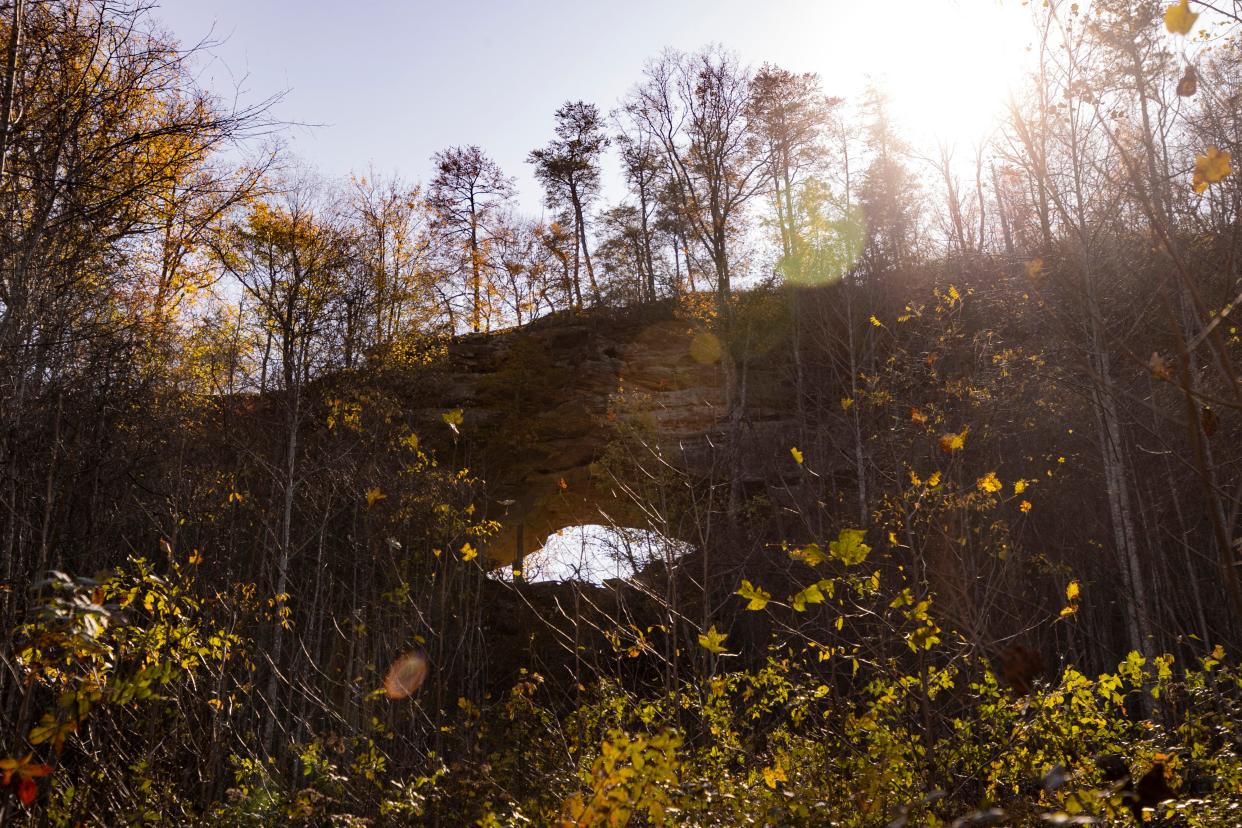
543,403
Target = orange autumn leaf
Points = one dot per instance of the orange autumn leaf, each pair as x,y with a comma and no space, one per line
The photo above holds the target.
24,768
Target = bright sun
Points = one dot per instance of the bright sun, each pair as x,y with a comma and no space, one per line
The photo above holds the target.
949,67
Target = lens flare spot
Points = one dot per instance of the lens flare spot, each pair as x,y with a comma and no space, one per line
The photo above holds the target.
705,348
406,675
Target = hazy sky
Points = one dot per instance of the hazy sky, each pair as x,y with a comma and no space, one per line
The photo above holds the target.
388,83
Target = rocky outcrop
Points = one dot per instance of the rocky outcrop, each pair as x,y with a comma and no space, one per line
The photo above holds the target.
542,404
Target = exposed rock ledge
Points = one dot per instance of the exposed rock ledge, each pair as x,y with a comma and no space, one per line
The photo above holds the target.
543,403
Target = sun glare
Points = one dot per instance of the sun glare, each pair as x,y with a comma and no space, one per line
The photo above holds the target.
949,68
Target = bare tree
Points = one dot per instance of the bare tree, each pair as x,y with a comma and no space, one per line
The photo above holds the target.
568,168
695,107
466,192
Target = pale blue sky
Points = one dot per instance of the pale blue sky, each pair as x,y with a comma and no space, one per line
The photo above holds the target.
390,82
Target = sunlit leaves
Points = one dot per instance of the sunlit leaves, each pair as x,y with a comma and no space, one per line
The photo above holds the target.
950,443
757,598
774,775
989,483
926,633
25,771
713,640
1210,168
53,729
797,456
1072,592
813,594
453,419
849,548
468,552
633,773
811,554
374,495
1179,19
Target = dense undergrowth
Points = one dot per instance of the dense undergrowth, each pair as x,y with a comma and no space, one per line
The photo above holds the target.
123,672
947,488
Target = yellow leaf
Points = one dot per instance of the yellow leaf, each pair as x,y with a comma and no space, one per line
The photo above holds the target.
918,416
811,555
196,557
1072,591
876,322
797,456
453,419
758,597
846,402
773,775
954,296
810,595
1210,168
1019,486
1025,506
989,483
848,548
1034,267
934,480
914,478
468,552
1179,19
950,443
713,640
374,495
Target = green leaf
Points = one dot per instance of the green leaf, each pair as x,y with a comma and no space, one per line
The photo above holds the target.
757,596
849,548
